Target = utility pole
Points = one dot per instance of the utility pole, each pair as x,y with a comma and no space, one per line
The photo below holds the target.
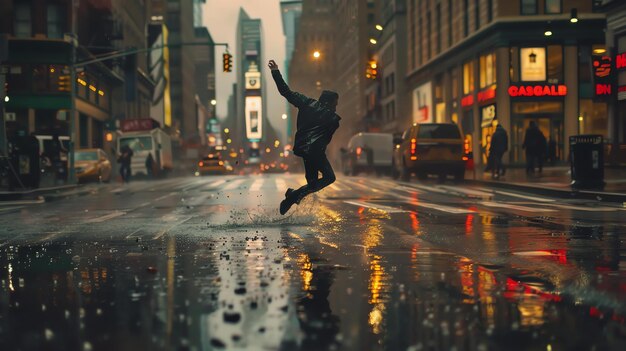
74,39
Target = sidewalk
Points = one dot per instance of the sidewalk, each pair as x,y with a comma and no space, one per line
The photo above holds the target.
556,181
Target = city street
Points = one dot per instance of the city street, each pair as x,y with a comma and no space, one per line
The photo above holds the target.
208,263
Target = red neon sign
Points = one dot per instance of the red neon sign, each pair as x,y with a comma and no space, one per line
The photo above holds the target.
603,89
621,89
537,90
486,94
620,61
467,100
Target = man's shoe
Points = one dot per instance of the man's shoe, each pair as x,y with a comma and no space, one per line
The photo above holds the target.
285,205
288,192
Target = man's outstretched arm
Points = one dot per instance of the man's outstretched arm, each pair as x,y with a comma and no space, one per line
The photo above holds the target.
296,99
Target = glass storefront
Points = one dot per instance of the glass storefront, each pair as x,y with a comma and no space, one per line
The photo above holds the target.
548,115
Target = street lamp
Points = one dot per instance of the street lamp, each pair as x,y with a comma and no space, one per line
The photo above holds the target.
373,41
379,27
226,130
213,102
284,116
316,54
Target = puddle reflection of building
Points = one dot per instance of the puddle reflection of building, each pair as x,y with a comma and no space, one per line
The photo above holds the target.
254,310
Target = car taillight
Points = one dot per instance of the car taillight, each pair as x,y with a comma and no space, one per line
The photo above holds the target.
358,151
413,146
200,163
221,163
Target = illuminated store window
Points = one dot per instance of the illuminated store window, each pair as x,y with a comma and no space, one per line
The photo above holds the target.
487,70
468,78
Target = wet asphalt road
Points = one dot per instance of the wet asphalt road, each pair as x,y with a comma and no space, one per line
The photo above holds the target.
367,264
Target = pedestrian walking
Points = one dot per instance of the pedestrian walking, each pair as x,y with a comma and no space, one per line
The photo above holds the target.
124,160
316,124
535,145
149,165
499,145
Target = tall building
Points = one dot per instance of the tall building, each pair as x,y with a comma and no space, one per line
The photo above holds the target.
204,58
388,104
179,19
355,22
290,11
475,61
251,117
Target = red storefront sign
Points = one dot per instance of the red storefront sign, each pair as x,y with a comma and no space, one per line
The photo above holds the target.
537,90
134,125
603,89
487,94
620,61
467,101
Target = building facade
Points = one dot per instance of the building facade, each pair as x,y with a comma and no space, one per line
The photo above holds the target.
290,11
38,82
251,116
475,61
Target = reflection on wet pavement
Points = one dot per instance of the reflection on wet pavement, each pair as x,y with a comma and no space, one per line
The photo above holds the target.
328,278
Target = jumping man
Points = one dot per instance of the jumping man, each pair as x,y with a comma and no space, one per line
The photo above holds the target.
316,124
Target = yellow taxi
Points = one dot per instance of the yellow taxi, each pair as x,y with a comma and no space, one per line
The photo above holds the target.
430,148
92,165
213,164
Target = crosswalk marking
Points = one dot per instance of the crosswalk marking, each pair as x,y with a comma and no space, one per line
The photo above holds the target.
106,217
428,188
515,207
257,184
442,208
280,184
215,184
383,208
470,192
534,198
582,208
234,184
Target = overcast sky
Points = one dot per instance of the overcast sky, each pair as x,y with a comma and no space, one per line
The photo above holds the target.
220,17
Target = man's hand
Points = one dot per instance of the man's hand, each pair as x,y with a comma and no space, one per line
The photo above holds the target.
272,65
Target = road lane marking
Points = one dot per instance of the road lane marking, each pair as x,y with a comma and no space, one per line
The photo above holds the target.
165,231
534,198
257,184
442,208
383,208
582,208
133,233
428,189
234,184
362,186
106,217
515,207
280,184
10,209
465,191
215,184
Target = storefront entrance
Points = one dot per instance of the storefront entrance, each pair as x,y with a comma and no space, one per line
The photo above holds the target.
548,117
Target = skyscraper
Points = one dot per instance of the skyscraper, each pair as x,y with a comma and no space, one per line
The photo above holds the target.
290,10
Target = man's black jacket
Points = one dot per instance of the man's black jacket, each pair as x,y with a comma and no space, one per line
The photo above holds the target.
316,123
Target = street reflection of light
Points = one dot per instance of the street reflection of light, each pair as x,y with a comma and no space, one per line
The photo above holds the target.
373,234
467,280
469,224
306,272
531,310
11,278
85,281
415,223
486,288
376,318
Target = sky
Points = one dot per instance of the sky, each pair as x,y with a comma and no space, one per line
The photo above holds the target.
220,17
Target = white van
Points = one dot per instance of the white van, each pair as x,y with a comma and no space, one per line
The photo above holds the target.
368,152
155,142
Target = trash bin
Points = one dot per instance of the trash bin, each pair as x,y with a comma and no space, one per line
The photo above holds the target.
587,161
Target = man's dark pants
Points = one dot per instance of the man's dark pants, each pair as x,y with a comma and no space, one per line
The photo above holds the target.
312,165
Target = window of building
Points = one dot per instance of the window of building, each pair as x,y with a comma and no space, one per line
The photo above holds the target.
476,14
529,7
420,41
55,22
438,24
593,117
489,11
555,64
465,18
22,26
554,6
487,70
468,78
429,36
450,28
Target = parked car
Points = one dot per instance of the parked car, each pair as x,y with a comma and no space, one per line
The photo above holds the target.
213,164
430,148
368,152
92,165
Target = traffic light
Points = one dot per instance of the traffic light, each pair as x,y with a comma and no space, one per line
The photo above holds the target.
372,70
228,62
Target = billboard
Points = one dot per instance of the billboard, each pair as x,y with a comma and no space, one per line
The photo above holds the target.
422,104
254,117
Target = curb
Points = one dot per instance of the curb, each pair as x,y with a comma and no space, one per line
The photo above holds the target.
562,193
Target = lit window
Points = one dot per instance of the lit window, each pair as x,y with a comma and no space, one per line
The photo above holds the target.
468,78
553,6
